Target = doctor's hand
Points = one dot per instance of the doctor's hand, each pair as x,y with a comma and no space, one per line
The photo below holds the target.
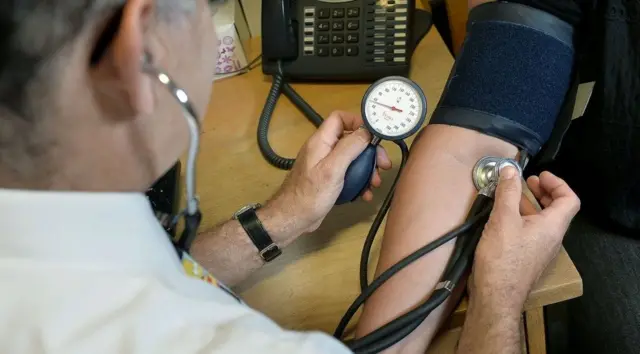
519,242
316,180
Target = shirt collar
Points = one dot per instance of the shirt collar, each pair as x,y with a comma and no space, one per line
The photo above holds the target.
101,229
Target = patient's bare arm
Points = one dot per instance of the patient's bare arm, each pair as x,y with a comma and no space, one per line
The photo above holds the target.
433,196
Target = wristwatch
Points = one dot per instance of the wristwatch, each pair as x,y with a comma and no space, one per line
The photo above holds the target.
249,221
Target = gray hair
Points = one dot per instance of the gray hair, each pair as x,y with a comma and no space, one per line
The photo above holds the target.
33,34
33,31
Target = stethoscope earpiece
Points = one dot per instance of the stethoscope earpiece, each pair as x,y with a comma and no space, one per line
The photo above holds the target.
191,214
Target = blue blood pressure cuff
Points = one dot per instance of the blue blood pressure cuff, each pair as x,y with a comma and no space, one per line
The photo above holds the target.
512,76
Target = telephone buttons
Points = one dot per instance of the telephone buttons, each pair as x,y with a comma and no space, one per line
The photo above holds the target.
337,51
337,13
352,38
352,51
353,12
323,38
353,25
308,50
322,51
337,25
323,25
324,13
337,38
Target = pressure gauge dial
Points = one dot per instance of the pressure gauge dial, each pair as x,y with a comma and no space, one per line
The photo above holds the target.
394,108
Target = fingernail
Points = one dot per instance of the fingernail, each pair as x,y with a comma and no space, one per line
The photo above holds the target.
386,159
363,134
507,172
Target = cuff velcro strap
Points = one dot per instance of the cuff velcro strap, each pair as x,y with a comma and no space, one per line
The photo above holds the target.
511,76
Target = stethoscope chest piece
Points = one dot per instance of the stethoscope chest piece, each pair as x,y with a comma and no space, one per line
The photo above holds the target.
487,170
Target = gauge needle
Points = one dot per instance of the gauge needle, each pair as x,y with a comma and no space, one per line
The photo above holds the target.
393,108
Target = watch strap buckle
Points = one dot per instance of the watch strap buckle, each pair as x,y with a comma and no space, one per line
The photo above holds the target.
245,208
270,252
267,249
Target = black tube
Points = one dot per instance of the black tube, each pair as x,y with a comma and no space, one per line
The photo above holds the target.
394,331
478,205
399,266
391,332
381,345
466,257
368,242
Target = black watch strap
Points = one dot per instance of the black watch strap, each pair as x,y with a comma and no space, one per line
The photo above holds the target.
249,221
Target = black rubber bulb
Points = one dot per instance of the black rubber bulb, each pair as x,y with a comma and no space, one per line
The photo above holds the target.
358,175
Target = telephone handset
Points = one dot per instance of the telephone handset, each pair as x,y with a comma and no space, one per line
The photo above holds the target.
337,40
280,40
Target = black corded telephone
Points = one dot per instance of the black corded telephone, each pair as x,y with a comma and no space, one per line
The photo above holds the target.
337,40
332,40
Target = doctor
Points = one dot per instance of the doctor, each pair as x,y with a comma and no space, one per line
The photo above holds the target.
85,266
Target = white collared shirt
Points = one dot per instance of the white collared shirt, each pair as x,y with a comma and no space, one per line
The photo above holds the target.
93,273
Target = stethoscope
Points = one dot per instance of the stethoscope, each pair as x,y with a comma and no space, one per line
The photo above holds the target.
393,109
386,105
191,214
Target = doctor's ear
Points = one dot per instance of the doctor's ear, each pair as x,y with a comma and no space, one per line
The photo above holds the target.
122,89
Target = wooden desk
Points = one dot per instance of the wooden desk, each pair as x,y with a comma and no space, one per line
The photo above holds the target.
313,282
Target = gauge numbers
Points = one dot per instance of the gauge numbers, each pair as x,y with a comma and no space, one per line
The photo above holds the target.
394,108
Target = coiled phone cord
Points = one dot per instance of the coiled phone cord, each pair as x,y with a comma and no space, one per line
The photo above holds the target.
277,88
468,235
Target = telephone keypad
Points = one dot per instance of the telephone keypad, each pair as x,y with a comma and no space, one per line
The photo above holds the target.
337,25
323,38
337,13
324,13
373,31
337,38
337,51
385,31
323,26
323,51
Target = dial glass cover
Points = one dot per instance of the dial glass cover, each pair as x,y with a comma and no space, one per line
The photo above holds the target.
394,108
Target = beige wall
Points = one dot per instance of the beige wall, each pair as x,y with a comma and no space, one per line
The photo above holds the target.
458,14
252,12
